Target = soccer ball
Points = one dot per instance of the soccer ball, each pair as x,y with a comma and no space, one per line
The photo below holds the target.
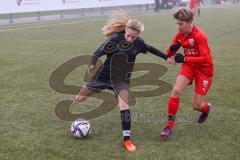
81,128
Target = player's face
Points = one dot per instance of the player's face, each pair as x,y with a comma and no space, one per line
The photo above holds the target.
131,35
183,27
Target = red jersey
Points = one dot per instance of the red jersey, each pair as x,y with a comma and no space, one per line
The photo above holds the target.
196,50
193,4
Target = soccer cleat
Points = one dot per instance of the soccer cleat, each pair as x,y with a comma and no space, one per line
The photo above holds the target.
204,115
166,132
129,146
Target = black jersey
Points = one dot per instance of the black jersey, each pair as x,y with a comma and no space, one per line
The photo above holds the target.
120,58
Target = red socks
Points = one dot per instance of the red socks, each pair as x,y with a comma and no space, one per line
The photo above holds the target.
172,110
173,106
204,107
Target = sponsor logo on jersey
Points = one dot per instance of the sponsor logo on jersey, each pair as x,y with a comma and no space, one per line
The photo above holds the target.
191,51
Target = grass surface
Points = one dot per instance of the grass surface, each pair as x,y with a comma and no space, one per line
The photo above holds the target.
30,128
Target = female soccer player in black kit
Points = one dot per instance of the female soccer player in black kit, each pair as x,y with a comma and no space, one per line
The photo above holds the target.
123,44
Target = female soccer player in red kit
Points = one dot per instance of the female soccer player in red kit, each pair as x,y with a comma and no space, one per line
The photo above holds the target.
197,65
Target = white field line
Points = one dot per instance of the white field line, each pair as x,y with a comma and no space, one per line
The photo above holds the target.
23,27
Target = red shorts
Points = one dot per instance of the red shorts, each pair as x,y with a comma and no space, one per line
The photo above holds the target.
202,81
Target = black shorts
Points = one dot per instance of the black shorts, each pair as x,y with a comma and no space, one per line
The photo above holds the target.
98,86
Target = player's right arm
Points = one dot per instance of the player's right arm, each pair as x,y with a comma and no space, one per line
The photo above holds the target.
174,46
204,53
97,54
109,46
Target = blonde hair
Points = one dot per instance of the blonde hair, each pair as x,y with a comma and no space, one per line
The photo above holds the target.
119,21
136,25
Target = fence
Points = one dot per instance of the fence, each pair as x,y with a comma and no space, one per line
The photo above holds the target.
14,11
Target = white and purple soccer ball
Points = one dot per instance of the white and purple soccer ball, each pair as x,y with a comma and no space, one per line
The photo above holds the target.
81,128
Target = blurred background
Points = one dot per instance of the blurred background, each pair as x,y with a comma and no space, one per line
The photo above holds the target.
23,11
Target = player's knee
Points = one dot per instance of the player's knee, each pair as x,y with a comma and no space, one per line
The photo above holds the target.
176,91
123,106
80,98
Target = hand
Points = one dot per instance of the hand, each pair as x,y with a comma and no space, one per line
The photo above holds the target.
179,58
171,60
90,70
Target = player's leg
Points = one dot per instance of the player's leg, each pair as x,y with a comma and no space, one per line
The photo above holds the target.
197,101
192,6
122,92
90,88
83,94
180,85
203,84
199,104
195,11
